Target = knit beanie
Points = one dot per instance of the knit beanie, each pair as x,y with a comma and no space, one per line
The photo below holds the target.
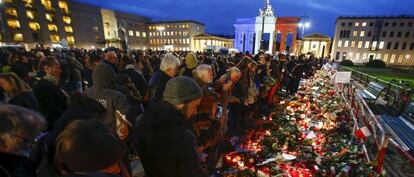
191,60
181,89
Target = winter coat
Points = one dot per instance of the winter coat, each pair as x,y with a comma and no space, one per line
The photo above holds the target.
105,91
21,69
80,107
16,166
166,144
75,69
26,99
157,86
51,99
137,78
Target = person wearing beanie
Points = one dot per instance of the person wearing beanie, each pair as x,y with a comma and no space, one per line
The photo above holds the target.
165,142
191,63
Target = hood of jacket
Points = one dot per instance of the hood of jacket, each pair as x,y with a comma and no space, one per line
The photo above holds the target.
191,60
104,76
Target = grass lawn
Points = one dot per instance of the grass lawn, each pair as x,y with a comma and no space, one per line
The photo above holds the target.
387,74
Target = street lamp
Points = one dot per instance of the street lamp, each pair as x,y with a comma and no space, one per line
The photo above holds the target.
304,24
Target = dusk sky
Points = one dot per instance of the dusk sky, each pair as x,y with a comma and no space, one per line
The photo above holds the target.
220,15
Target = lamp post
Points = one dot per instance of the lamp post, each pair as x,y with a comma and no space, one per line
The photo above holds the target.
161,29
304,24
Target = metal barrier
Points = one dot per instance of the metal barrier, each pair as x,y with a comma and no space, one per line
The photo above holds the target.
395,95
376,147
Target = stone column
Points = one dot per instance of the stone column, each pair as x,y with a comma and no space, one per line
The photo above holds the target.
319,49
283,41
257,42
294,44
247,42
271,42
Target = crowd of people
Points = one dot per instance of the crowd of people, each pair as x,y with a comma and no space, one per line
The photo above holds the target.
80,113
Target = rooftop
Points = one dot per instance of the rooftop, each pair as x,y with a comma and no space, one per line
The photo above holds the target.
316,36
178,21
205,35
377,17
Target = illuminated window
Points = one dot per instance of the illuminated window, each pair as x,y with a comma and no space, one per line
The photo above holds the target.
381,45
34,26
346,43
362,34
18,37
49,17
67,20
28,3
137,33
64,7
385,59
356,23
52,27
359,44
187,26
11,11
357,55
144,34
364,23
367,44
355,33
131,33
353,44
54,38
47,4
188,41
68,29
392,58
340,44
400,58
374,45
30,14
13,24
71,40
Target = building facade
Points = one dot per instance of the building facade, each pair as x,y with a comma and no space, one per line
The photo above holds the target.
364,38
174,35
87,25
32,22
109,28
316,43
205,41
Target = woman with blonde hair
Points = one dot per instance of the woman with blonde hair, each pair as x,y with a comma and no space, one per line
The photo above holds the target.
17,92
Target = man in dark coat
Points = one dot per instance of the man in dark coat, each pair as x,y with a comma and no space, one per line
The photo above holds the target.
137,78
52,100
105,91
168,69
165,142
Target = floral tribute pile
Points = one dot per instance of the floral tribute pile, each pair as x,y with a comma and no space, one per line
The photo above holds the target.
310,135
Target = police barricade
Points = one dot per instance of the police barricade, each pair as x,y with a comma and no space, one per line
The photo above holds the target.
381,148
